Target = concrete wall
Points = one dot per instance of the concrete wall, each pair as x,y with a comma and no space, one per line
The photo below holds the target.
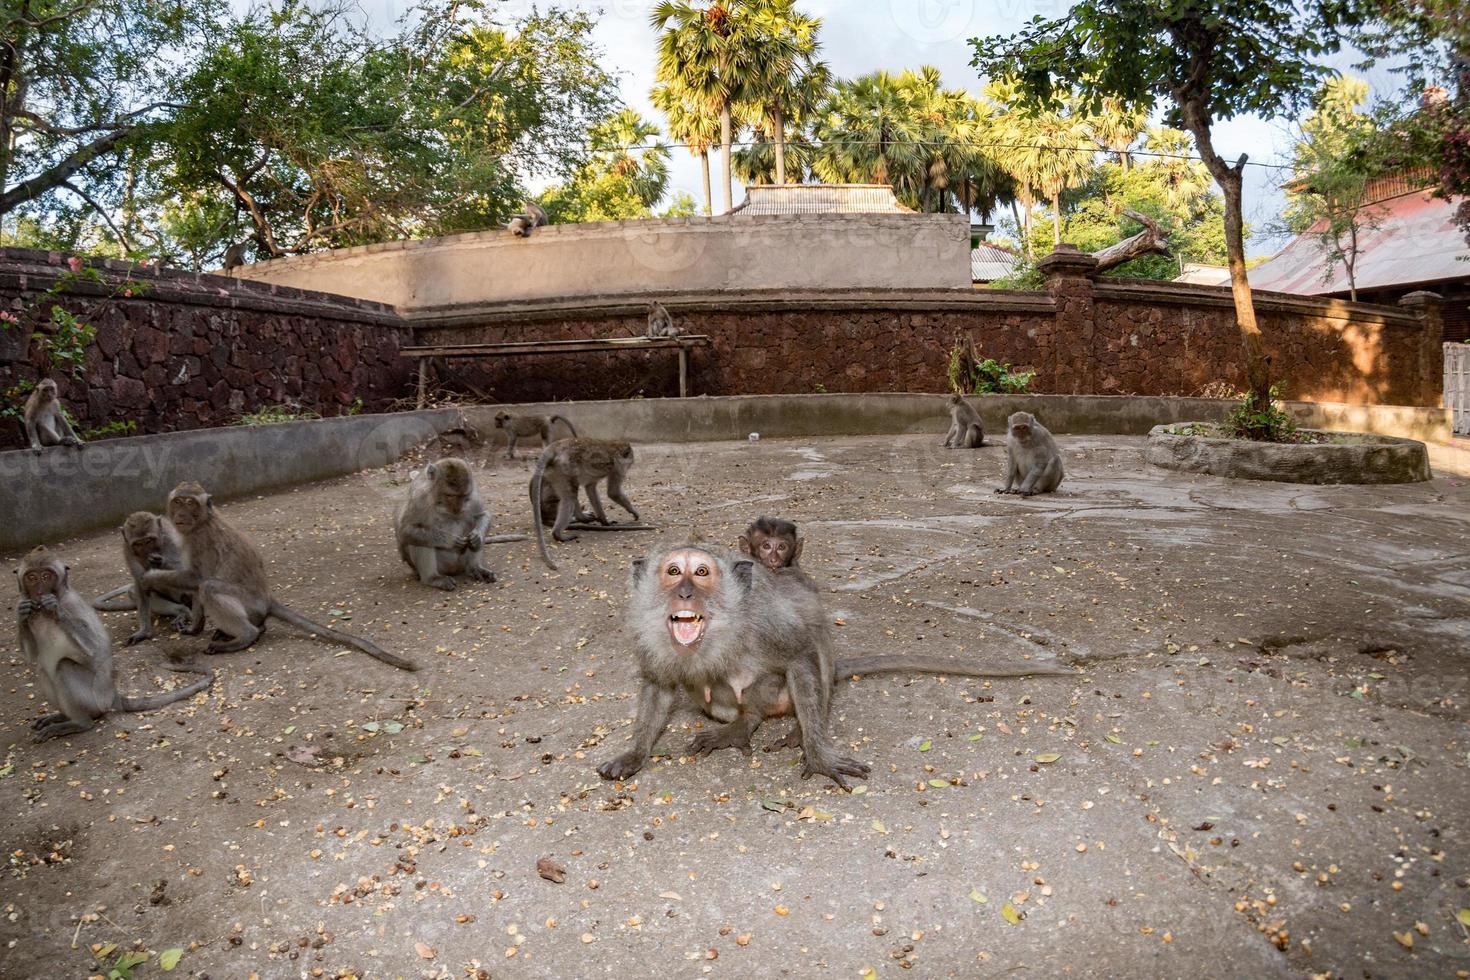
621,258
59,492
180,350
777,416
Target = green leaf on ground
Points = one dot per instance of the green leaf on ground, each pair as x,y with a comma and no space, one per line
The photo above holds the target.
926,745
1009,913
169,958
978,896
1047,757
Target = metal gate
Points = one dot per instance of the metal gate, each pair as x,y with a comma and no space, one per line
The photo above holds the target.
1457,385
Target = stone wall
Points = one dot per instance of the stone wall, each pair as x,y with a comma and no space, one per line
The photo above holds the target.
1081,336
185,351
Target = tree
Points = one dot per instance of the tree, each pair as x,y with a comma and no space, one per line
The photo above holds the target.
1046,148
625,177
1207,62
788,80
1332,169
691,124
1117,127
868,135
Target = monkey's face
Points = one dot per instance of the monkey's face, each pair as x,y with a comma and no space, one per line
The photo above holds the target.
40,580
187,511
954,399
775,551
143,548
47,390
688,578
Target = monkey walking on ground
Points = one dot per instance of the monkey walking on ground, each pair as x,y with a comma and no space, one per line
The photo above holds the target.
1032,458
745,644
661,322
965,430
225,573
65,643
521,426
149,541
441,526
45,423
522,224
569,465
775,544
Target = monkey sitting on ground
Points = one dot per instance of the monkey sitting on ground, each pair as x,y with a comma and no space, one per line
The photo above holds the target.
522,224
518,426
1032,459
775,544
570,465
661,322
46,424
745,644
70,650
225,573
441,526
965,430
149,541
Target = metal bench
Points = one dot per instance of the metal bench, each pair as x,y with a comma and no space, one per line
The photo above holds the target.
611,345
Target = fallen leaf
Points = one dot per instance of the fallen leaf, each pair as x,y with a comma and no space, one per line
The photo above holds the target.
671,896
169,958
976,738
303,755
427,952
1009,913
1405,938
939,783
1463,917
1113,738
878,826
1047,757
777,806
1003,728
371,726
782,910
926,745
392,727
550,870
978,896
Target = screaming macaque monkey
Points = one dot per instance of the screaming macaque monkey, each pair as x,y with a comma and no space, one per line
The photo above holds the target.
1032,459
522,224
775,544
149,541
746,644
570,465
441,526
661,322
965,430
46,424
67,646
519,426
225,573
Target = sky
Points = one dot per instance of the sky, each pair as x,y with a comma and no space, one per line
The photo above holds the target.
863,36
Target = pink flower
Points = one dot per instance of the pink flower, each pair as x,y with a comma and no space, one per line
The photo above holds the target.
7,317
75,262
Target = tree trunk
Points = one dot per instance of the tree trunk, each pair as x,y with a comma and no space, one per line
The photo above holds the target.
1125,160
1257,365
725,140
1351,261
709,203
780,134
1150,241
1056,218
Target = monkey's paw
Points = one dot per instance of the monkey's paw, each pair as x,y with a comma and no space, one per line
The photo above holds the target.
791,741
480,574
1026,493
26,608
835,767
139,637
180,623
732,736
621,767
442,582
45,720
49,602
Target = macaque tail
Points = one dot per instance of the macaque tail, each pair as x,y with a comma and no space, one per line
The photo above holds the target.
289,615
582,526
922,664
153,702
536,510
119,599
506,538
558,418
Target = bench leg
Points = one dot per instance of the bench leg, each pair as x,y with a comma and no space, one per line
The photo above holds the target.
423,382
683,371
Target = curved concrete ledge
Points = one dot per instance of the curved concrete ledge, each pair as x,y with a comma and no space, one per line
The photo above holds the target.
59,492
1347,458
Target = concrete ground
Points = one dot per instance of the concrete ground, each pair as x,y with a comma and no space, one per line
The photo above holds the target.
1260,769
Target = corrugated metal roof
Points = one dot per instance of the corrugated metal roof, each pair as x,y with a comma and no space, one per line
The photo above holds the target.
820,199
1204,275
1416,242
990,262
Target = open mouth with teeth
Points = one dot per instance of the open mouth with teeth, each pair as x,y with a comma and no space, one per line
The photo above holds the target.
687,626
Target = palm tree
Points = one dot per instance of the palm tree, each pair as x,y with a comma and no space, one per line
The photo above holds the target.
691,124
1185,180
1116,129
1046,151
709,50
627,145
868,134
787,81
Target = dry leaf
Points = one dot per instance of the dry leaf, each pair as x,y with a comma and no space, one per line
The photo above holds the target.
427,952
550,870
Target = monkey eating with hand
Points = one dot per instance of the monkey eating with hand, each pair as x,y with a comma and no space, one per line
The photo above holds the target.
1032,458
745,644
149,541
522,224
965,430
45,423
441,526
225,574
65,643
661,321
569,465
775,544
521,426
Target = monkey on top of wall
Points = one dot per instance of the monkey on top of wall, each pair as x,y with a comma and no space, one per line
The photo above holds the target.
524,223
45,423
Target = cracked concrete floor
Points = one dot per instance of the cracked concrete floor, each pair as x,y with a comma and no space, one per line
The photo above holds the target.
1260,769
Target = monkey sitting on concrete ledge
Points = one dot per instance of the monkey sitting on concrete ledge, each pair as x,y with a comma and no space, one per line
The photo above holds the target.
45,423
965,430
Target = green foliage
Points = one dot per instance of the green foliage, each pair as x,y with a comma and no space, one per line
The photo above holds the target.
1024,276
1262,421
112,430
681,205
356,407
273,414
66,343
13,401
969,375
626,175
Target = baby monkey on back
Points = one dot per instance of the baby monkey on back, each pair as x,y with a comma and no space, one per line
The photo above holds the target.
776,544
1032,458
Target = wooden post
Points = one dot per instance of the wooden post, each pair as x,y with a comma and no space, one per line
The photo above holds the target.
423,381
683,371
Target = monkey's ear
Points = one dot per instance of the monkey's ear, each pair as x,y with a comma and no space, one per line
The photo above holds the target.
743,570
433,470
640,566
796,549
745,545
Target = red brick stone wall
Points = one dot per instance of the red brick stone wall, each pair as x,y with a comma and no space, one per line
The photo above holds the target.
189,351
